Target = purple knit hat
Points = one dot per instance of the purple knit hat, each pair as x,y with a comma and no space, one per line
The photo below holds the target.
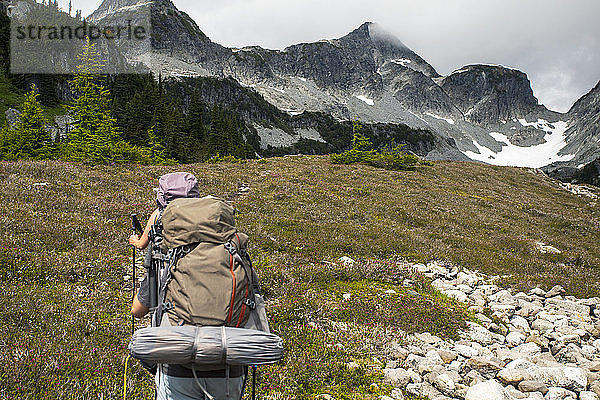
175,186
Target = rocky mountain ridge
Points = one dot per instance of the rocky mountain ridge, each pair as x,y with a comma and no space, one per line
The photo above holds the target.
490,112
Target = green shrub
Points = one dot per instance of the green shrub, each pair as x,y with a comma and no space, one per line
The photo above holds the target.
354,156
392,158
218,158
396,159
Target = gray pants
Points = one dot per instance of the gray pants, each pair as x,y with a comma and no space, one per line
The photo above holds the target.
173,388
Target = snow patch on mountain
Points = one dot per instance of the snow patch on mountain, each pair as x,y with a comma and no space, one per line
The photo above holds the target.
365,99
402,61
533,156
460,71
448,120
469,67
292,112
539,124
412,113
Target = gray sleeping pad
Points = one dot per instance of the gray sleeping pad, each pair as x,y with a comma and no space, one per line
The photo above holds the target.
205,345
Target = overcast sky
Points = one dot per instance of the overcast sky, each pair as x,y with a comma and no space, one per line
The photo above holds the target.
556,42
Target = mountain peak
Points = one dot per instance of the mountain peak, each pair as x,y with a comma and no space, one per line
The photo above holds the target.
111,7
386,47
382,37
488,93
588,103
379,36
364,26
175,27
496,68
361,33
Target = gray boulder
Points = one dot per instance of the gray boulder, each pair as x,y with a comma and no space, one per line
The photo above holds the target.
532,386
397,377
486,367
588,396
513,376
488,390
555,291
571,378
12,116
557,393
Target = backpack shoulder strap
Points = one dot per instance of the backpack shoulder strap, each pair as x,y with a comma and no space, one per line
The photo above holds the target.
157,269
241,257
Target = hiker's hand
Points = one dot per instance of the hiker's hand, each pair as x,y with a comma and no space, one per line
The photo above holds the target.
134,239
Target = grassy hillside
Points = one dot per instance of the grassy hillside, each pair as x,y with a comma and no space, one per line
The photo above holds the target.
64,324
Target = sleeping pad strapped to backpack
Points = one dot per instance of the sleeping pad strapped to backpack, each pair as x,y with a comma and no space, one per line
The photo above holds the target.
211,280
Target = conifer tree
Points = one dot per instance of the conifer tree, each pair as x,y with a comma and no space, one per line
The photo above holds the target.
225,135
214,139
195,118
4,42
29,138
94,131
158,154
195,130
169,125
134,104
359,141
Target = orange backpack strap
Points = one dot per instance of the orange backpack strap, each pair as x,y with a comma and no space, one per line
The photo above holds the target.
247,266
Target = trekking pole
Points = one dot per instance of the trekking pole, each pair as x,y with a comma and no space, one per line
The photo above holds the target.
254,382
136,227
133,291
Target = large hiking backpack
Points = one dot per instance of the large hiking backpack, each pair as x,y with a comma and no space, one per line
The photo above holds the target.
209,279
205,279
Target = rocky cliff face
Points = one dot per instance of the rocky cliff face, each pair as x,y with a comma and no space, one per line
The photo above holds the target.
349,63
583,140
488,94
177,46
487,113
583,133
176,34
276,132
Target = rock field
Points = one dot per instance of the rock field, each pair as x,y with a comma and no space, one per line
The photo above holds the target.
543,345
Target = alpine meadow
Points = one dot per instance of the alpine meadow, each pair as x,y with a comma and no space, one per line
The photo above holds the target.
66,267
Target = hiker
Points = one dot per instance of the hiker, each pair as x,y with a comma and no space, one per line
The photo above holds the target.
170,186
175,382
